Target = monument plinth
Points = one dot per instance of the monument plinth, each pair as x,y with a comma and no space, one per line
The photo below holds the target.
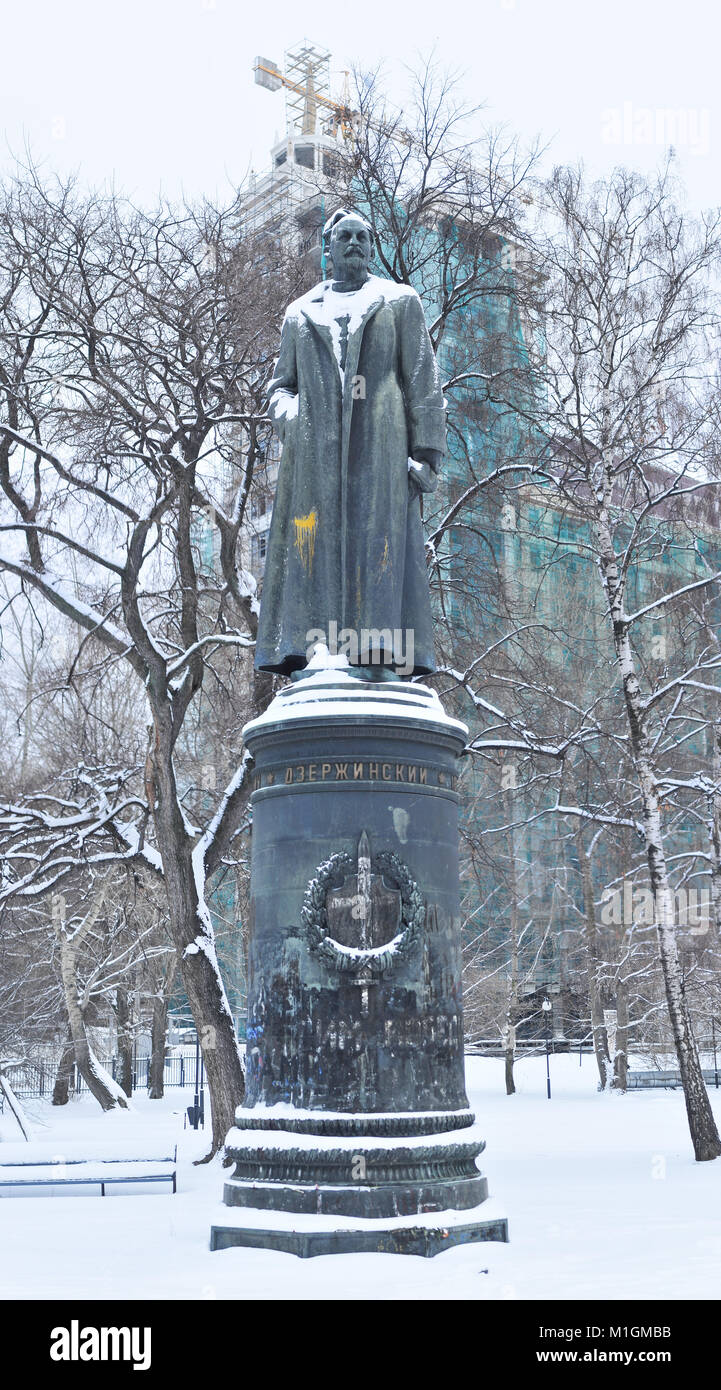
355,1133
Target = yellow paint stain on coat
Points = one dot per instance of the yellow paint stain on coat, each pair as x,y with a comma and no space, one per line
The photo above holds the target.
385,557
306,528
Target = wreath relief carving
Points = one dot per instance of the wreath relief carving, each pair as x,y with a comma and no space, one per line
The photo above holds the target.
363,917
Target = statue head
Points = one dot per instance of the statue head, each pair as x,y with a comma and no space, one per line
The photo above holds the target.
350,241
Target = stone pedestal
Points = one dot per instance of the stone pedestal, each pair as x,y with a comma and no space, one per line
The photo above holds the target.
355,1133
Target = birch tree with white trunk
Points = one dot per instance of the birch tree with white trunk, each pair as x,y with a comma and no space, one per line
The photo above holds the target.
627,428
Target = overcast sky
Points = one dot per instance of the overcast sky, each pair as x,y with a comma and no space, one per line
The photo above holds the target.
158,93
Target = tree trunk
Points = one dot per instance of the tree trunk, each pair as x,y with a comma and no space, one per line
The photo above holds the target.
620,1057
714,825
598,1027
193,936
218,1042
704,1134
123,1019
159,1028
156,1076
510,1057
15,1107
61,1089
512,1004
99,1082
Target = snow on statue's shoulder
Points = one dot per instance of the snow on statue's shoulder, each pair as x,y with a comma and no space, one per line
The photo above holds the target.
391,289
321,303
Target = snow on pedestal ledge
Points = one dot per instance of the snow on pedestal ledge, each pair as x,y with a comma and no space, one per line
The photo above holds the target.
238,1140
489,1213
333,693
306,1235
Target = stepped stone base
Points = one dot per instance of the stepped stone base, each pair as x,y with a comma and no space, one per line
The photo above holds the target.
426,1236
324,1184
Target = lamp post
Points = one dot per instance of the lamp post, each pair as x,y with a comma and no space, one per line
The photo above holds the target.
547,1007
715,1064
196,1099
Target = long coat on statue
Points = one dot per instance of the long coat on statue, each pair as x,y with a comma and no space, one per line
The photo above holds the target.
346,549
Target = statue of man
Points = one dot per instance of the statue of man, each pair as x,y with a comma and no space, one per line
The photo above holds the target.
357,402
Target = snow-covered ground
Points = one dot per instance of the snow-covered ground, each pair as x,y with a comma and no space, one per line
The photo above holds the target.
602,1193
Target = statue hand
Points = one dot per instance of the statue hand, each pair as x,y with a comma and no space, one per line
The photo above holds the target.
421,477
283,409
433,457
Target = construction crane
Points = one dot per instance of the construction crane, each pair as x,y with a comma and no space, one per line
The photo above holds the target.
306,85
306,81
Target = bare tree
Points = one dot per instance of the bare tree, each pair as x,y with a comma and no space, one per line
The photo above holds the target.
134,350
72,933
159,1028
627,307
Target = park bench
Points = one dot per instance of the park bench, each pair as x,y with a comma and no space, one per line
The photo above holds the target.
653,1080
64,1165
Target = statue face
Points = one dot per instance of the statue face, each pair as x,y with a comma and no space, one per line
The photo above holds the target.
351,249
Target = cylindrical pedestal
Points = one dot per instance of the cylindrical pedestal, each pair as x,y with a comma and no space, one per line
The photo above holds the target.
356,1102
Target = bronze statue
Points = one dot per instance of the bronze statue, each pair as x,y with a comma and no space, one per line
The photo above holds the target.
357,402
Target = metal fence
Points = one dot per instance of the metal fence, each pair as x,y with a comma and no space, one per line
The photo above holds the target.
652,1080
526,1047
34,1080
